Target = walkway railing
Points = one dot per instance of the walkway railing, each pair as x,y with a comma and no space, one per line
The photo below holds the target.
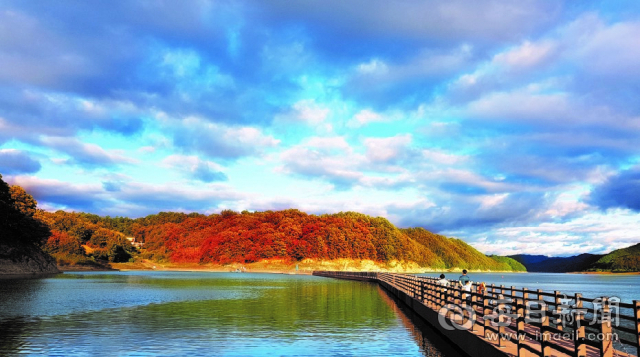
533,321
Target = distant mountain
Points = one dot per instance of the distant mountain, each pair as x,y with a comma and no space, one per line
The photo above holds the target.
544,264
526,259
620,260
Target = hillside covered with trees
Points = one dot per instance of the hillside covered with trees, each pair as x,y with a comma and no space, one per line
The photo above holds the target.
21,234
82,239
620,260
232,237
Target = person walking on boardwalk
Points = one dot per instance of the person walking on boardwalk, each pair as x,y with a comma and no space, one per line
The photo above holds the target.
463,278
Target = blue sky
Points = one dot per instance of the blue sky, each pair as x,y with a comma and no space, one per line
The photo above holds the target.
514,125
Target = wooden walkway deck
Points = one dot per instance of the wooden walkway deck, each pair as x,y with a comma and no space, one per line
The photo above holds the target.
471,324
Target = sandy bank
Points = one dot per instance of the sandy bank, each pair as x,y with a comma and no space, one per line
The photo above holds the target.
306,266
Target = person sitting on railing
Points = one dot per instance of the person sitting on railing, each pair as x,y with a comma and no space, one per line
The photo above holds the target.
444,282
481,288
467,289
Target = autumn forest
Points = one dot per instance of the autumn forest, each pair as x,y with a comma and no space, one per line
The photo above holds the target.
232,237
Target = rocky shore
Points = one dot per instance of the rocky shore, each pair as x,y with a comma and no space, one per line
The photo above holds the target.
25,261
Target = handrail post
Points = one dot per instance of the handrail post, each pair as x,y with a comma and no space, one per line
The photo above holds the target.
580,349
636,308
485,312
519,323
501,319
606,344
422,297
474,299
558,310
544,332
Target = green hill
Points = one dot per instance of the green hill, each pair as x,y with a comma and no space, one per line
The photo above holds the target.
449,253
514,264
620,260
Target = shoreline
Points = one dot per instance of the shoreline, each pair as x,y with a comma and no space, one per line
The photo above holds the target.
288,269
305,267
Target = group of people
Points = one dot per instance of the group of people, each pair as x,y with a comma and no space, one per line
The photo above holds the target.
464,282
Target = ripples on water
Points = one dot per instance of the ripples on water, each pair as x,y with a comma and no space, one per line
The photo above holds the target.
206,314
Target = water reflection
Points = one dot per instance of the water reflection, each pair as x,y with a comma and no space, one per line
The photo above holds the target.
209,314
431,342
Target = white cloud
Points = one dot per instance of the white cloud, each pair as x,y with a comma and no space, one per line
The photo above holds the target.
612,50
196,134
375,66
592,232
86,153
387,149
328,158
309,111
203,170
443,158
527,55
364,117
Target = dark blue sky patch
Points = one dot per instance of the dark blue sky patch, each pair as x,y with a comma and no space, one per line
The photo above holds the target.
619,191
15,162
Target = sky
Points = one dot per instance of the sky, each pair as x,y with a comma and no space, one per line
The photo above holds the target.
513,125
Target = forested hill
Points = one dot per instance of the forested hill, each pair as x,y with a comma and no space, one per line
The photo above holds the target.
22,235
621,260
233,237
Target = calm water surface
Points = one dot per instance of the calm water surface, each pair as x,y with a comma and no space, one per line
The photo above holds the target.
230,314
217,314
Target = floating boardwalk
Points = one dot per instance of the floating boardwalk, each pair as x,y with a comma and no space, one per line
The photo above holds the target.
505,321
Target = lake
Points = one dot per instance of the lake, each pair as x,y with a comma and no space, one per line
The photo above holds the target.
151,313
206,314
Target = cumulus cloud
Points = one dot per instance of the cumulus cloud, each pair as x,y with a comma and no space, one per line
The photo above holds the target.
133,199
592,232
526,55
306,112
390,149
84,154
410,81
330,159
194,167
333,159
365,117
215,140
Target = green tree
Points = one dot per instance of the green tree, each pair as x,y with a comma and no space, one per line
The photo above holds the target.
23,201
17,227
